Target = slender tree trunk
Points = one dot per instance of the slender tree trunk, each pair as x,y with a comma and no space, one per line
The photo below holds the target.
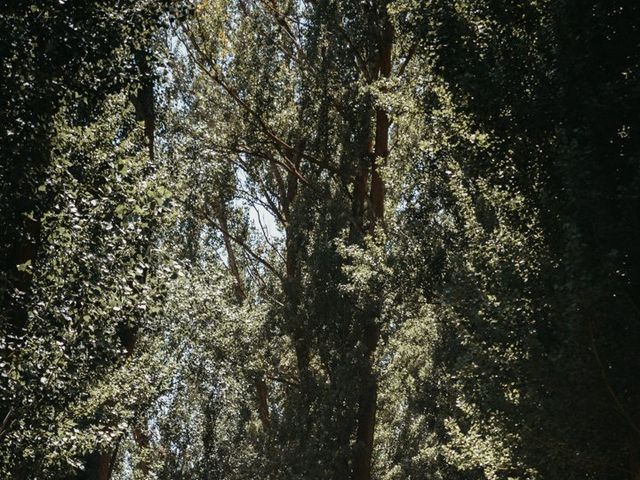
292,288
367,405
238,287
381,146
144,100
259,383
262,397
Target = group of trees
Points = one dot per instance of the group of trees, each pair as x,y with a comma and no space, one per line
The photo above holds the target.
365,239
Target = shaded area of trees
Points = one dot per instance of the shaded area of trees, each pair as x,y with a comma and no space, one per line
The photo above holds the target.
77,222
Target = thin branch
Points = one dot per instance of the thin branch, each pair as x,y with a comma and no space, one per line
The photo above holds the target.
360,60
279,182
255,274
407,59
281,379
283,146
281,20
6,423
253,199
217,77
266,236
242,244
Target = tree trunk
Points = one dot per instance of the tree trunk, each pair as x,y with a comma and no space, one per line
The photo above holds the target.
367,405
259,384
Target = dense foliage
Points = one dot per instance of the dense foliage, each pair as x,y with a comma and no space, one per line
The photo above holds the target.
280,239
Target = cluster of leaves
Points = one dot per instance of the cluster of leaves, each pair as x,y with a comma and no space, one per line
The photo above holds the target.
93,286
81,206
520,166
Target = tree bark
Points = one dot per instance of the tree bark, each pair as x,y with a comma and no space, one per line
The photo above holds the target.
367,405
259,383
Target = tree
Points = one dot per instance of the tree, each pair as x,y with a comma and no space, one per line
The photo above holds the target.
340,239
53,204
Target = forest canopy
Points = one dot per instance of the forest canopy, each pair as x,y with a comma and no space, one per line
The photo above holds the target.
320,239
